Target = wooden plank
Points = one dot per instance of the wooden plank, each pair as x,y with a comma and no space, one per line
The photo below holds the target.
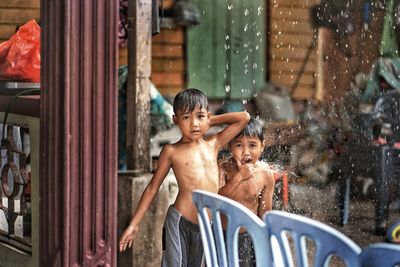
303,93
294,26
308,79
18,16
173,51
6,31
25,105
293,3
174,36
167,78
168,65
20,4
280,13
279,46
278,32
290,84
283,67
296,40
292,53
290,35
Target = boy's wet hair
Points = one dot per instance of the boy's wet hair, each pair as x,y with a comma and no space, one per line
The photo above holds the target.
252,129
189,99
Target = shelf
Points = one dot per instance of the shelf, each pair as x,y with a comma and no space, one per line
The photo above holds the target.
22,105
21,98
14,88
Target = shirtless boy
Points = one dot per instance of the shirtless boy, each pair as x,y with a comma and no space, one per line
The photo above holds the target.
247,180
194,162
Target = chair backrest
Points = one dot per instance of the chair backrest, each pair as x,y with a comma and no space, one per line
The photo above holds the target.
381,255
327,241
217,250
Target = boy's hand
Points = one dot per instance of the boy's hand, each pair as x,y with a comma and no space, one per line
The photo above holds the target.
246,171
127,237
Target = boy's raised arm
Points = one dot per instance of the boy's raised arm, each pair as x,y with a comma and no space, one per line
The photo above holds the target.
265,200
164,164
236,120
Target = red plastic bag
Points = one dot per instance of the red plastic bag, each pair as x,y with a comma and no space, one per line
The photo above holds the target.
20,55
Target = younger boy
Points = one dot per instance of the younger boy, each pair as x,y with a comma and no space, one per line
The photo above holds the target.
194,162
247,180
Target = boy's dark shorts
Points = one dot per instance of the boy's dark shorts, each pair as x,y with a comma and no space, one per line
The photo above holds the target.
182,245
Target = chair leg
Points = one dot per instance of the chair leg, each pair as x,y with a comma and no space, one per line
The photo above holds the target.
344,200
383,177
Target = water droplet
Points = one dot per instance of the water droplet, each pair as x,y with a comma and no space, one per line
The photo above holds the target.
259,9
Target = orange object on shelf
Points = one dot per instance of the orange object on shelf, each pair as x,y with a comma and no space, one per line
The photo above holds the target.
20,55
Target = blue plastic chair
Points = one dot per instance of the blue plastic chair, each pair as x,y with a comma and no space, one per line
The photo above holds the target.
328,242
381,255
217,250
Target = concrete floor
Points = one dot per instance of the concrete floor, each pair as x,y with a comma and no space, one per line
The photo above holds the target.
320,204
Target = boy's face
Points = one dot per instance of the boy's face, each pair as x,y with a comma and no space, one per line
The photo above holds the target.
246,149
193,125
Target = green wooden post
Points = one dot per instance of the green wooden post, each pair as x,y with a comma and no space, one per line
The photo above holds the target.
226,52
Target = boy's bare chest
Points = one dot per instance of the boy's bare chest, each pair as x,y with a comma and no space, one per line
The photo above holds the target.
200,157
196,169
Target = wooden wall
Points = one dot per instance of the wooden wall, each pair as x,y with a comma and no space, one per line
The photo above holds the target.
168,58
289,35
14,13
168,61
339,69
329,71
168,50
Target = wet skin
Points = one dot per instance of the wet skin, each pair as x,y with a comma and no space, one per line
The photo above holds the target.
194,162
244,178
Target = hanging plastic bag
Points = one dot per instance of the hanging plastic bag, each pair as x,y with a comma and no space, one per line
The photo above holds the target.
20,55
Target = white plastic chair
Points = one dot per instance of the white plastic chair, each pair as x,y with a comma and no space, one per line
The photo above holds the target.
217,251
381,255
327,241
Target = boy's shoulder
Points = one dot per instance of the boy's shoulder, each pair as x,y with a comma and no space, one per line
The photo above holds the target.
265,168
168,149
